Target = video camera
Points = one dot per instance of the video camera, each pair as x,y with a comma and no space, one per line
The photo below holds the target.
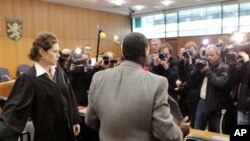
62,57
108,61
232,54
163,56
187,54
200,63
78,61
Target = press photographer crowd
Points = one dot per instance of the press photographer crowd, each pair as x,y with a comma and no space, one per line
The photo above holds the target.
211,78
78,65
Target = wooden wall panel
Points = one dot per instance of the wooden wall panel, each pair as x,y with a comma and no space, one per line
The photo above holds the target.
56,19
23,11
93,18
74,27
6,10
23,48
8,58
40,17
84,30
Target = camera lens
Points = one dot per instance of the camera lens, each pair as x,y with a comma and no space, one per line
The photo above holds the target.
187,54
200,64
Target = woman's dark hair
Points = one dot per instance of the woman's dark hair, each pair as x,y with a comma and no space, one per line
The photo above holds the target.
45,41
133,46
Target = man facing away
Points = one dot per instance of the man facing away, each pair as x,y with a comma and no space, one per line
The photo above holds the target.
128,103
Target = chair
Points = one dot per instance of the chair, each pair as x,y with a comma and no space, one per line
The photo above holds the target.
2,101
4,75
22,69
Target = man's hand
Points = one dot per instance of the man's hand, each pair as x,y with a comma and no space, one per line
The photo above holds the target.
164,63
244,56
185,126
76,129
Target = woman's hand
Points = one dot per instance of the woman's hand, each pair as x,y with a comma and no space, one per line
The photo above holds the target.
76,129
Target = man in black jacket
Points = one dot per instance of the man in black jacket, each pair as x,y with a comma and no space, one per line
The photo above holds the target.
240,77
214,93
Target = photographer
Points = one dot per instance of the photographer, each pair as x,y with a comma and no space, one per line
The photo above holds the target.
155,45
167,66
239,74
79,75
214,92
87,50
64,59
189,91
105,61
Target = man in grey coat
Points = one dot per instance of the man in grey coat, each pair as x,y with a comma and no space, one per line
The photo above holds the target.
127,103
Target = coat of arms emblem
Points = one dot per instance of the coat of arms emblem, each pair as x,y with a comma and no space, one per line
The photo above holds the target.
14,28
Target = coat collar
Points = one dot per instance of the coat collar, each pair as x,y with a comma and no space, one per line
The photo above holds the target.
131,64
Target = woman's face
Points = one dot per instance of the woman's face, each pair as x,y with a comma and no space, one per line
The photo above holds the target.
51,56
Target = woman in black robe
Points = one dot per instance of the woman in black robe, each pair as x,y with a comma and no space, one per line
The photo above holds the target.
44,94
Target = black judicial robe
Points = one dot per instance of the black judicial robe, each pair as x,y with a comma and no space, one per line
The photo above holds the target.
50,104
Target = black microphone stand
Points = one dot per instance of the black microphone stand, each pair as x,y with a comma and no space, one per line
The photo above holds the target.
98,43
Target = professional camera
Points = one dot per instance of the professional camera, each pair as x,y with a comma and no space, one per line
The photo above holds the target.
232,55
105,60
113,61
62,57
200,63
187,54
163,56
78,61
108,61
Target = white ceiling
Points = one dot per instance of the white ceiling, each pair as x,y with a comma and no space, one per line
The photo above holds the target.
150,5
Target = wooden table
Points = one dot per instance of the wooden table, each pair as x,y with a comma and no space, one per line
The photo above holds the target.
6,87
206,135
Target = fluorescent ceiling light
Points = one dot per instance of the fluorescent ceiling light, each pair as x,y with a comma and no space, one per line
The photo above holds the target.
117,2
167,2
138,7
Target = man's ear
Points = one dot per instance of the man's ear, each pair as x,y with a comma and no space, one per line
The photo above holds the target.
146,52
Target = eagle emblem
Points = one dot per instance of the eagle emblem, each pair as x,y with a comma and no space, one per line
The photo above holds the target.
14,28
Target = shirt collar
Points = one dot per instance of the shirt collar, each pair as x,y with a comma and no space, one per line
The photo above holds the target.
40,70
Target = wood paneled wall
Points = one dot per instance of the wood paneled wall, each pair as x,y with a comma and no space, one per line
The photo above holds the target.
74,27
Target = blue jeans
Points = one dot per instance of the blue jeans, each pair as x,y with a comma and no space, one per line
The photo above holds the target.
243,118
201,119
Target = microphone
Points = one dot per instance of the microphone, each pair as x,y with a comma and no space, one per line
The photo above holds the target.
223,112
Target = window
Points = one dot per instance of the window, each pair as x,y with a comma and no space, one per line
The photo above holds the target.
137,22
192,22
230,18
171,25
207,20
152,26
244,17
213,24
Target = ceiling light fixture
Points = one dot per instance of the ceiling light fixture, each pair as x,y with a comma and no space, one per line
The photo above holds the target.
117,2
167,2
138,7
